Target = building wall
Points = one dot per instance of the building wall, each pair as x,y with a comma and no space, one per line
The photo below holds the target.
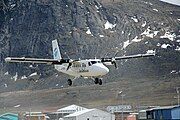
175,113
163,114
96,115
131,117
142,115
36,118
93,115
118,116
70,118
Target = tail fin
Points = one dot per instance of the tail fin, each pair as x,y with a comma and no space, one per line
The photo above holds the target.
56,51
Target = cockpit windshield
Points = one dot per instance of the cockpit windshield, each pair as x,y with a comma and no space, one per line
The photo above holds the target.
93,62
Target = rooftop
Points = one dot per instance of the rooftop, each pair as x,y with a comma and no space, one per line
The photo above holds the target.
9,116
79,112
71,108
164,107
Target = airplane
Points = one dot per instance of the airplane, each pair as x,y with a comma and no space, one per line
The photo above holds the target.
87,68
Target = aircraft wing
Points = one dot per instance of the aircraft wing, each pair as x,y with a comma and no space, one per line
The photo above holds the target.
36,60
126,57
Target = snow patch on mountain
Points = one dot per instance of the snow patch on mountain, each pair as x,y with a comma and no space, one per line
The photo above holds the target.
149,33
88,31
15,77
165,46
33,74
136,39
101,36
170,36
108,25
158,45
177,48
144,24
156,10
135,19
126,43
6,73
5,85
23,77
150,51
177,40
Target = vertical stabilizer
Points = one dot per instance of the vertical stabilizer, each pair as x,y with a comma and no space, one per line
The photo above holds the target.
56,51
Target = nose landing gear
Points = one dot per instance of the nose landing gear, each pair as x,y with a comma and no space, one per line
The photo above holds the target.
98,81
69,82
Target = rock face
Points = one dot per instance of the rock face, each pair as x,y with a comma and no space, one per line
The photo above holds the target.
87,29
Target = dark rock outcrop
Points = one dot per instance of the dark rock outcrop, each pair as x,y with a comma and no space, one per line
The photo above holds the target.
87,29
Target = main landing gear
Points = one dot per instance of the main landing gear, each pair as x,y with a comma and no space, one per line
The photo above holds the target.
98,81
69,82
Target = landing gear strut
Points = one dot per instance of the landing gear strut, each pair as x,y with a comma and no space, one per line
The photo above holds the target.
69,82
98,80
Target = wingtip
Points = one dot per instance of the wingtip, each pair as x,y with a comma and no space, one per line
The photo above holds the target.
8,59
55,40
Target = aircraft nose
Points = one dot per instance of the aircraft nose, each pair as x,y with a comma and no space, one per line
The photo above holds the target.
105,70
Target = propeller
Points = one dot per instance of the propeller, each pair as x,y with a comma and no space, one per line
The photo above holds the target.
113,61
70,64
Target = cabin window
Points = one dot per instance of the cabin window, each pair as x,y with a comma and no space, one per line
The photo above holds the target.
76,65
83,65
89,63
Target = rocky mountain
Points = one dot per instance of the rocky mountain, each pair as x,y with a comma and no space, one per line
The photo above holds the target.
87,29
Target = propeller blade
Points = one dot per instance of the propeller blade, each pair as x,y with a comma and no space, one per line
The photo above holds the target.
70,64
115,64
113,61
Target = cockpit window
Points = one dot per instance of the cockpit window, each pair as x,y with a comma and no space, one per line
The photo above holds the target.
93,62
89,63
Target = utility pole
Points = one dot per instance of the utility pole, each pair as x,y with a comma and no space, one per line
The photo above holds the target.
122,116
122,107
177,91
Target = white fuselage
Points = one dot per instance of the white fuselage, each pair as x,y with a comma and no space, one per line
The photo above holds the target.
84,68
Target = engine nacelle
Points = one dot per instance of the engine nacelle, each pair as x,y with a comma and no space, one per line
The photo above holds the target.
108,63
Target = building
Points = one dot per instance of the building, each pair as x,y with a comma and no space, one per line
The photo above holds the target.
125,115
71,109
158,113
60,113
35,116
9,116
122,112
90,114
142,115
168,112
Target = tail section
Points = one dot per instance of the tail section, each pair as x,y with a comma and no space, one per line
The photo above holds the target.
56,51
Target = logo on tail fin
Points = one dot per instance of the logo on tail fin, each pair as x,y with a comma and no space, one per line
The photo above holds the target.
55,53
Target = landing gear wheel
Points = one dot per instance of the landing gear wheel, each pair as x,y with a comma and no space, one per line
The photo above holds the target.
69,82
96,80
100,81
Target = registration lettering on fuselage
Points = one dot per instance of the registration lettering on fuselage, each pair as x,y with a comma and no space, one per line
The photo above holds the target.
83,70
